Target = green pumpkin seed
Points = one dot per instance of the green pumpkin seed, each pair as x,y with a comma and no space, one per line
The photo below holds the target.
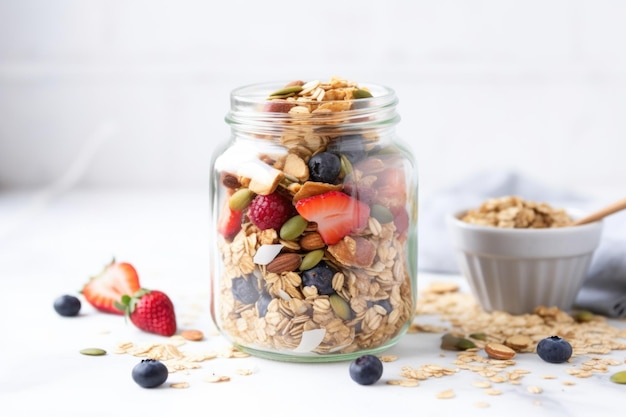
346,166
381,213
452,342
93,351
286,92
340,307
360,93
240,199
293,227
619,377
311,259
478,336
583,316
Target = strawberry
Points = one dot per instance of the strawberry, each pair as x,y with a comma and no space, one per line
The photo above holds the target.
105,289
151,311
229,221
336,214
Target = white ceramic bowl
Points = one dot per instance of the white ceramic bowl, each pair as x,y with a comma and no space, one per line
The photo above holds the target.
516,270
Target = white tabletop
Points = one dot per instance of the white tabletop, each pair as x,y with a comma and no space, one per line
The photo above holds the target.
50,245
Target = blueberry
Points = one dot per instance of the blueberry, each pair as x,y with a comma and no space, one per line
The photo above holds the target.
245,289
554,349
352,146
383,303
263,303
67,305
366,369
321,277
149,373
324,167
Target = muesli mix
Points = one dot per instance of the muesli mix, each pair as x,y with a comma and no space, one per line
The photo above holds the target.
312,239
516,212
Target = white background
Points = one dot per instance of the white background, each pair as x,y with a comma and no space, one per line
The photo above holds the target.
133,93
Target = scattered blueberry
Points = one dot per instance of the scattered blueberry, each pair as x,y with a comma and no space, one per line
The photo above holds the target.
324,167
67,305
245,289
554,349
149,373
352,146
366,369
321,277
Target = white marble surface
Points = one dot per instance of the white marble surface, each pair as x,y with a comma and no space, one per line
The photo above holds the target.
50,244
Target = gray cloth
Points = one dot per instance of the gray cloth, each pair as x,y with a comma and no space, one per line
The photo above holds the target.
604,290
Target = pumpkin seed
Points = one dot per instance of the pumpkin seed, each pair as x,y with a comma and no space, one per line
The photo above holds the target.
93,351
360,93
240,199
346,166
293,227
619,377
340,307
583,316
478,336
286,92
311,259
452,342
381,213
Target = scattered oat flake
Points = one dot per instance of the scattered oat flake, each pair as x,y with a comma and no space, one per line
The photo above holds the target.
388,358
533,389
482,384
493,392
445,395
244,372
548,377
481,404
217,378
179,385
403,382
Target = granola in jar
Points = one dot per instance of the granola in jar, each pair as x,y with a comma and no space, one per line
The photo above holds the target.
314,211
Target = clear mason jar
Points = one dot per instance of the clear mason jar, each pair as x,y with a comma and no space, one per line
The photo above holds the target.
314,222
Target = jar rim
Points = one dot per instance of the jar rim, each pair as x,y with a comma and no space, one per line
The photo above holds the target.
250,109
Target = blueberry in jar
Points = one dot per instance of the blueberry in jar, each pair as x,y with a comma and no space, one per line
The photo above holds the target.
149,373
263,303
554,349
67,305
366,369
245,289
324,167
352,146
321,277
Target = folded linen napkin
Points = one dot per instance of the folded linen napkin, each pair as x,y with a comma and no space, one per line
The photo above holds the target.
604,290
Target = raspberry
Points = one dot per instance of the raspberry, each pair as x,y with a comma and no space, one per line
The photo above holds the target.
270,211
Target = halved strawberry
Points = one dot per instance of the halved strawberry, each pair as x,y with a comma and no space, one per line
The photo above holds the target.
229,221
336,214
105,289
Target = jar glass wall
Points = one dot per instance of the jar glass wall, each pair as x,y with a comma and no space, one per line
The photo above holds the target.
314,222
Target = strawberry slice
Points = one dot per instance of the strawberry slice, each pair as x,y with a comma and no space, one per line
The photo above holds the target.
229,221
105,289
336,214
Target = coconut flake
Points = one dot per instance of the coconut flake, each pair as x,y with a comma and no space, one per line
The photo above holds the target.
266,254
310,340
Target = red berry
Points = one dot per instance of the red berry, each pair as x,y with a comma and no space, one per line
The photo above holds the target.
229,221
105,289
151,311
336,214
270,211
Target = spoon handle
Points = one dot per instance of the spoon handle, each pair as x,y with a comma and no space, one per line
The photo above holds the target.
610,209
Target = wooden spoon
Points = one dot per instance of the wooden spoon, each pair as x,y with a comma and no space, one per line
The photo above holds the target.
600,214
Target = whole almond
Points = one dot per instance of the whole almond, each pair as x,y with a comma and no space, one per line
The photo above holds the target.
284,262
499,351
312,241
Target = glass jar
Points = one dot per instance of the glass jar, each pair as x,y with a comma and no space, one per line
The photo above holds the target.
314,222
